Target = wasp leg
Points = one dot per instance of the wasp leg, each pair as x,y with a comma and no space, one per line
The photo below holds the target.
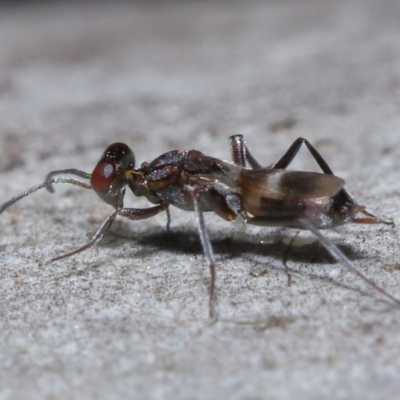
333,250
97,237
168,226
343,260
286,257
240,153
131,213
207,251
290,154
142,213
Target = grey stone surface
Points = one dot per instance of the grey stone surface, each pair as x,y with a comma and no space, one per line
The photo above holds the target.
129,318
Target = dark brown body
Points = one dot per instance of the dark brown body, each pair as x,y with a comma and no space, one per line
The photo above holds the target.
192,181
268,197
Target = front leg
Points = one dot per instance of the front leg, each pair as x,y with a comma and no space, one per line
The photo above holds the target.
131,213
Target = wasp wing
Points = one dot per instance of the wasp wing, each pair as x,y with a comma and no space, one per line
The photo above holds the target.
280,184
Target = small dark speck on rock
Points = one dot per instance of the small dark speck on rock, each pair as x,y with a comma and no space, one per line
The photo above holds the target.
283,124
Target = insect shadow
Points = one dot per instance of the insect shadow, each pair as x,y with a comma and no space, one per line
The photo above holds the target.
228,248
187,242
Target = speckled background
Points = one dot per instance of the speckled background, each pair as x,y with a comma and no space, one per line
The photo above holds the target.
129,319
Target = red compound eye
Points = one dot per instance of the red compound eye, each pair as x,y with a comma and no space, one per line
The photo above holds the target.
103,176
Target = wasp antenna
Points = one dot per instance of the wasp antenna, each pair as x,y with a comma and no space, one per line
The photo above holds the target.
339,256
69,171
47,184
